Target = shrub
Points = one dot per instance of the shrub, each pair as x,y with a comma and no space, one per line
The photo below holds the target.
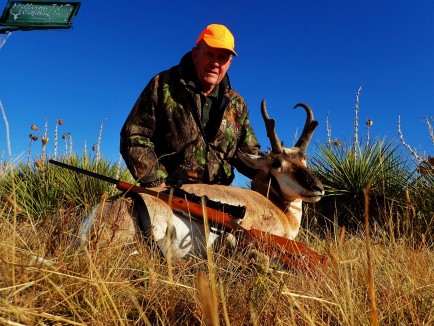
40,190
347,170
421,201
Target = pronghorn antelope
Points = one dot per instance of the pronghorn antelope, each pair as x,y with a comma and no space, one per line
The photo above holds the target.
273,204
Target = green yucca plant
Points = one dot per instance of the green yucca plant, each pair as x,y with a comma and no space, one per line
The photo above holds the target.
84,190
421,199
347,170
32,189
42,189
421,196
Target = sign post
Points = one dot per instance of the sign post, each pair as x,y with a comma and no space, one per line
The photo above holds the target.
25,15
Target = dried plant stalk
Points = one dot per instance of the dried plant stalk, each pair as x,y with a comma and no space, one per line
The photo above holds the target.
370,276
356,119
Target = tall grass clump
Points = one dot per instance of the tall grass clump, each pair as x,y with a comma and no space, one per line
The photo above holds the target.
347,168
420,197
37,190
421,205
41,189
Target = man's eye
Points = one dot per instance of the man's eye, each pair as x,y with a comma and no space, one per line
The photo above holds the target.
223,58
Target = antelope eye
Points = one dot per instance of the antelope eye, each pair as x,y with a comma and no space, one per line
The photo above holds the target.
276,164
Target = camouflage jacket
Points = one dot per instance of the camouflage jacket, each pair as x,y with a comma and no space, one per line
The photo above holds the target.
163,136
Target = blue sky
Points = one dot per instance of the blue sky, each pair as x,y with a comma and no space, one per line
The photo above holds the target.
317,52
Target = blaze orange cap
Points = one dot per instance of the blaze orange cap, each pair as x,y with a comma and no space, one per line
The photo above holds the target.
218,36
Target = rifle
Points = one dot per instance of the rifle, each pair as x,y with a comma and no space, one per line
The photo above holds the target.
293,254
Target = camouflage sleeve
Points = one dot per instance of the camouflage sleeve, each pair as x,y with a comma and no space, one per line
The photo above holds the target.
136,145
248,143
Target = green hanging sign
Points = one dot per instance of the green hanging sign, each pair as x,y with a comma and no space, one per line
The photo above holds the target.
39,14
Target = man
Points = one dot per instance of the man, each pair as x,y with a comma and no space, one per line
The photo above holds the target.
188,123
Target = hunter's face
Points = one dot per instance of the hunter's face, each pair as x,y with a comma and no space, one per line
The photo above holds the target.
211,65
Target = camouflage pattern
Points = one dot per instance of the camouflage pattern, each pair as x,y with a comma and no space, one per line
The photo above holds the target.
163,140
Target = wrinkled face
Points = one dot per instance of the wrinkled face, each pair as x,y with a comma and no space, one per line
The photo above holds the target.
211,65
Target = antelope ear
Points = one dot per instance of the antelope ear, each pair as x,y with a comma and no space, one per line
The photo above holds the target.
256,162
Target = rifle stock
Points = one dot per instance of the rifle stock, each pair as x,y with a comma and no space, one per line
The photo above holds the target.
290,252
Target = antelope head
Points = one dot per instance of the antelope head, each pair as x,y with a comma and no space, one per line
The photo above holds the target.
282,174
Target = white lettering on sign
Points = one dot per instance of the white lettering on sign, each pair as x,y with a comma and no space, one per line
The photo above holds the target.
41,12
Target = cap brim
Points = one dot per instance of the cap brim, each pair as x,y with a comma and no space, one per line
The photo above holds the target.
218,45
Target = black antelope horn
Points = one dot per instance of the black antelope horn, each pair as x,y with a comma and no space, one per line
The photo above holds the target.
271,132
308,129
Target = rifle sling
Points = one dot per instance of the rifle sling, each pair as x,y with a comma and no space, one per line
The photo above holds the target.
236,212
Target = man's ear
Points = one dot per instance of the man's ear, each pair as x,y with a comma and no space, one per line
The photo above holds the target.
230,60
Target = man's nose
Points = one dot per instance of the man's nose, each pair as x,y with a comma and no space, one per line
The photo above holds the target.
215,62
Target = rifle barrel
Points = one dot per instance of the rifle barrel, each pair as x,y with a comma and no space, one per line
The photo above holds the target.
87,172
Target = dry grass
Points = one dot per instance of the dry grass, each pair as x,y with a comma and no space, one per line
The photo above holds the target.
104,285
44,280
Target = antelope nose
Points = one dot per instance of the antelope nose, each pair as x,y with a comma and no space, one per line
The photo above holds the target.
318,187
